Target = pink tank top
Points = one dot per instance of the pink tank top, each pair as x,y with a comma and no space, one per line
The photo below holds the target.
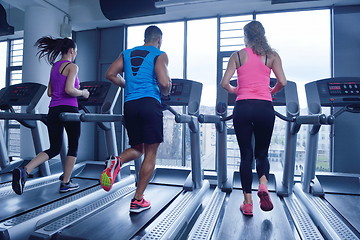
58,82
253,79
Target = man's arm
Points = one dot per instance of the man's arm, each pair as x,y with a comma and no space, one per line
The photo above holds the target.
113,73
162,74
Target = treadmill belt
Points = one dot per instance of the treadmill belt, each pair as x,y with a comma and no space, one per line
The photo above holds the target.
5,178
115,222
13,204
348,206
263,225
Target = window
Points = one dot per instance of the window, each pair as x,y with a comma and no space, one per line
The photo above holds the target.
175,150
3,61
15,77
171,150
201,57
303,40
231,32
232,39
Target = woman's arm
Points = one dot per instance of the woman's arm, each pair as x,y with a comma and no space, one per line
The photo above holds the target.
279,73
49,89
230,70
70,81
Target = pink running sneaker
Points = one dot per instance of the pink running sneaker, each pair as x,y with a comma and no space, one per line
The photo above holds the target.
247,209
137,206
108,176
265,201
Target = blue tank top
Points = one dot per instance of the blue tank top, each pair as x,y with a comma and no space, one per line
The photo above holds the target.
140,77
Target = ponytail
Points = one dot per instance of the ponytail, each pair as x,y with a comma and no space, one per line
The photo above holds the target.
51,48
255,34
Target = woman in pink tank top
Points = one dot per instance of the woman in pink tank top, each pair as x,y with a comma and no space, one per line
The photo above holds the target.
253,113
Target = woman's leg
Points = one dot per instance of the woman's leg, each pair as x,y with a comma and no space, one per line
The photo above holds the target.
73,130
263,127
55,132
39,159
244,131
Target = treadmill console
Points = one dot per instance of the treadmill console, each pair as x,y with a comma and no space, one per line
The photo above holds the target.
185,93
279,98
98,91
338,92
23,94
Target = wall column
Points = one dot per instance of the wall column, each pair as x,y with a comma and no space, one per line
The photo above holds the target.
39,22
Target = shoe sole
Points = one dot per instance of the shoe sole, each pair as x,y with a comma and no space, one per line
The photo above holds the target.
67,190
265,201
138,210
16,182
246,213
107,181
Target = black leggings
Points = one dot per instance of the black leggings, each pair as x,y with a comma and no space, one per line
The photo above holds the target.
253,117
56,128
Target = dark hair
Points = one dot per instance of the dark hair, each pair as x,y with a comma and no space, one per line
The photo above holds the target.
152,33
255,34
52,47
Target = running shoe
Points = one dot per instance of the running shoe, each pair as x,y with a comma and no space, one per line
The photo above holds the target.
137,206
19,178
265,201
247,209
108,176
65,187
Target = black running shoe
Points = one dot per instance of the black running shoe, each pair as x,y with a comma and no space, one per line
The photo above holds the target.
19,178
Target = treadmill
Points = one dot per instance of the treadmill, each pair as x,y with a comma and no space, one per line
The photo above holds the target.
222,218
333,198
41,201
171,203
23,94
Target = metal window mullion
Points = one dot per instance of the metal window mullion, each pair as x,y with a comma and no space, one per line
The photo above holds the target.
183,140
7,83
240,21
231,29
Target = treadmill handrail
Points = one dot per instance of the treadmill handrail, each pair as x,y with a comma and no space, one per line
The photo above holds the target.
179,118
22,116
209,118
70,117
317,119
94,117
90,117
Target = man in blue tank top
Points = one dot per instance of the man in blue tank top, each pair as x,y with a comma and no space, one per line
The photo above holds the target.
145,79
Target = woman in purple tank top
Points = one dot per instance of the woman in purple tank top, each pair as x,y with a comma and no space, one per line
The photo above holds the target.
253,113
63,88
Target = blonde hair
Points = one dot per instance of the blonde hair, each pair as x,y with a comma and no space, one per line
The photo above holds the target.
255,34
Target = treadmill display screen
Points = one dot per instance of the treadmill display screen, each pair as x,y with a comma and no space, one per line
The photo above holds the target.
176,89
344,88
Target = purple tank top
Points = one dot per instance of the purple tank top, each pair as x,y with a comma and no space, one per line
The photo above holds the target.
58,82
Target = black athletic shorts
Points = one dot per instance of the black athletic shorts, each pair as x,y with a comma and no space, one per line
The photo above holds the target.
144,121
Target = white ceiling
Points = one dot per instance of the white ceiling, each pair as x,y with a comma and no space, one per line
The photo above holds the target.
86,14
